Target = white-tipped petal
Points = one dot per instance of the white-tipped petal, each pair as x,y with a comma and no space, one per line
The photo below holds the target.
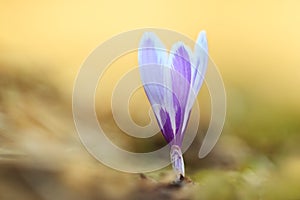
152,57
151,50
200,61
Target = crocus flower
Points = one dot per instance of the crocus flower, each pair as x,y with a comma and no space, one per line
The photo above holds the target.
171,82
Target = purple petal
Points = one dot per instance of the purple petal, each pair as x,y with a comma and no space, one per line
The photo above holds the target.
200,61
166,128
152,59
180,62
152,50
156,80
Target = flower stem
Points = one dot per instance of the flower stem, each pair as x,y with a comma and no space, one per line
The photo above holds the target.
177,161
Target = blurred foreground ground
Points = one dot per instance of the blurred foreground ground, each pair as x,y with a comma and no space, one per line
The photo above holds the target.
254,43
41,156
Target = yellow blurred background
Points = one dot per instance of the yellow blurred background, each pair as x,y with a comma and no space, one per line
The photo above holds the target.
255,44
